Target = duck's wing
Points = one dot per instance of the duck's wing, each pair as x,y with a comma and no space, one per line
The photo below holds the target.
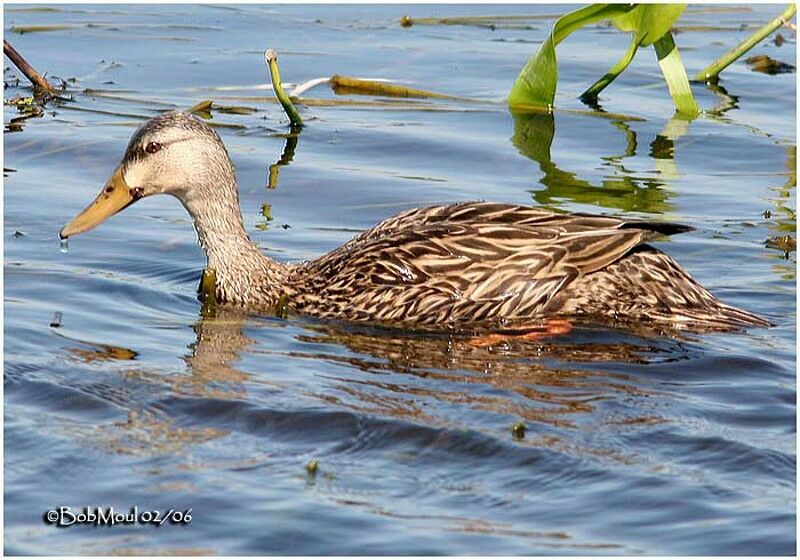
464,268
479,212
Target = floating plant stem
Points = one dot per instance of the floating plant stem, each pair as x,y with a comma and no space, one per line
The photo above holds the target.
344,85
480,21
711,72
271,57
35,78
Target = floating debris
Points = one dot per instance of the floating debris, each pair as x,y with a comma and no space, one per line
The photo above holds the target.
768,65
488,22
20,102
312,467
202,109
785,243
518,430
22,29
344,85
234,109
779,40
103,353
56,322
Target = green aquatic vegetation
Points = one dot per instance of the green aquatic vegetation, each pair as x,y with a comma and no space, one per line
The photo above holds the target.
675,75
266,213
271,58
344,85
207,292
35,28
285,159
234,109
533,137
22,29
205,107
20,102
490,22
711,72
202,109
649,25
27,107
282,305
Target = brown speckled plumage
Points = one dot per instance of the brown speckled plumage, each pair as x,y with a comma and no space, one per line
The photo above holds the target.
473,265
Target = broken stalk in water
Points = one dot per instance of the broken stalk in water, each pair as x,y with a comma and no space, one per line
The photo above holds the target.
35,78
271,57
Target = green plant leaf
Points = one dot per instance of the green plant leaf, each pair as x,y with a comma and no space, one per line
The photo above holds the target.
675,75
649,22
536,83
595,89
650,25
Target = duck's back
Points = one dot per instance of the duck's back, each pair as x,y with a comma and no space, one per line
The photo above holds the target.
481,265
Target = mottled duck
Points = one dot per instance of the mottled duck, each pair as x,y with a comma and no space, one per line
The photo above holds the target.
477,266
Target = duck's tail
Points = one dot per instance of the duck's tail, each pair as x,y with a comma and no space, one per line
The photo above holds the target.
717,317
648,287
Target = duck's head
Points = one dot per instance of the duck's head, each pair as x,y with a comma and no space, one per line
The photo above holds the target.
173,153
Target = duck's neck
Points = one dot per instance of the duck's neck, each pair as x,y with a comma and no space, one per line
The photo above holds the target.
244,275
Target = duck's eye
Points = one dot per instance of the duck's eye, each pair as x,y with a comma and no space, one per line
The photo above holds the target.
152,147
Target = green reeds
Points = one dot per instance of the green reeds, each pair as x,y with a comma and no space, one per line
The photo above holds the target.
271,57
711,72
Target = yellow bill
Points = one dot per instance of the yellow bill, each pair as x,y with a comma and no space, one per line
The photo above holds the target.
114,197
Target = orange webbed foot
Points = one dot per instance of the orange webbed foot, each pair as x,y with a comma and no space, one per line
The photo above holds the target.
552,327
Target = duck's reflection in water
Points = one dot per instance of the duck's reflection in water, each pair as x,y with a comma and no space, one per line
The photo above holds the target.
548,381
440,380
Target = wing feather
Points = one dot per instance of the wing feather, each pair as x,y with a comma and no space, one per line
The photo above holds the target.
467,262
